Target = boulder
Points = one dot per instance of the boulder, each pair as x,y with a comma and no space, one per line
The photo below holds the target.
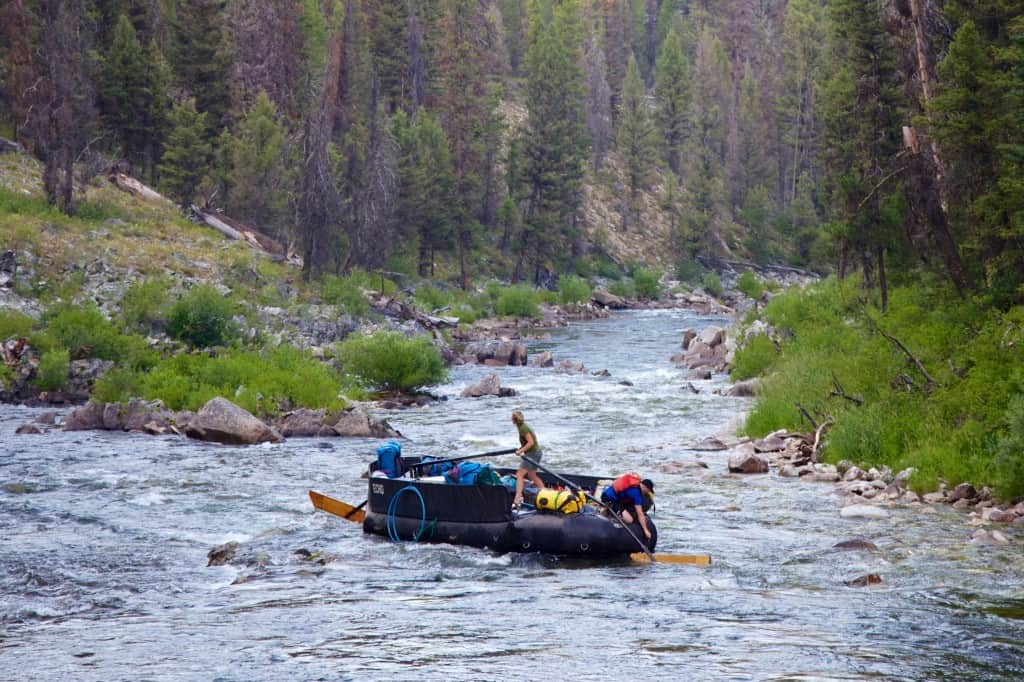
771,443
218,556
356,422
496,352
865,580
988,537
711,336
748,463
221,421
46,418
688,336
543,359
89,417
699,375
489,385
964,491
29,429
998,515
570,367
934,498
608,300
853,473
745,389
305,423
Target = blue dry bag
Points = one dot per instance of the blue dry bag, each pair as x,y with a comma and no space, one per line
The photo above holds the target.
463,474
389,459
434,469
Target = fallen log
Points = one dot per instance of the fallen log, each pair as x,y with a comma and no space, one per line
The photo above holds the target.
128,184
239,231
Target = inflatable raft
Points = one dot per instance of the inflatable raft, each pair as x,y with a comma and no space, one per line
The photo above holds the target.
432,510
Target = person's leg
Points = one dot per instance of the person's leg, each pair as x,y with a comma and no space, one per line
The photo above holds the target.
520,475
536,479
626,516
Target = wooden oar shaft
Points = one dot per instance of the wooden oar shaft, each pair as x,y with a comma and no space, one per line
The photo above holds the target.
695,559
577,488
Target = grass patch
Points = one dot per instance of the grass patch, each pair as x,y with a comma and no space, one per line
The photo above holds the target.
14,325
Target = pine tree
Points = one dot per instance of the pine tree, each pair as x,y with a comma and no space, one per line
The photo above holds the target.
635,134
672,93
802,58
554,149
425,210
200,62
127,92
599,100
257,180
755,166
187,153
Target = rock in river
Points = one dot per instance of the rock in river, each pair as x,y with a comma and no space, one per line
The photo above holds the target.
221,421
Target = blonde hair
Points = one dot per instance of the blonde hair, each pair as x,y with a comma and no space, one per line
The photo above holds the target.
517,417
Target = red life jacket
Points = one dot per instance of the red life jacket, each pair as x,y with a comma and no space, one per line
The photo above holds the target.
630,480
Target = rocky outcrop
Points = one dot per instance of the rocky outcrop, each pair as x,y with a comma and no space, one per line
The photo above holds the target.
748,463
490,385
221,421
543,359
608,300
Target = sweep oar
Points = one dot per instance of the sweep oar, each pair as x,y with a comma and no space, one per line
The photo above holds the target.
576,488
494,453
337,507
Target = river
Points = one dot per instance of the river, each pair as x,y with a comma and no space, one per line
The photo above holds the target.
104,540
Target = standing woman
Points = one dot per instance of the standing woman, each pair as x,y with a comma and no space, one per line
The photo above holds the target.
527,446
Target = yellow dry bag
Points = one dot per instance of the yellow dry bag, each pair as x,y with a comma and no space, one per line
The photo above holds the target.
564,501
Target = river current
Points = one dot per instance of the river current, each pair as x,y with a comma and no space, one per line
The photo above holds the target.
104,540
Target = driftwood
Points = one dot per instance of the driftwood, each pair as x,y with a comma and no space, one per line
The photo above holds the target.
840,392
805,413
10,147
817,438
929,381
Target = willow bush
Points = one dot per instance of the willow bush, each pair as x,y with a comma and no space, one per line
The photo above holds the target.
388,361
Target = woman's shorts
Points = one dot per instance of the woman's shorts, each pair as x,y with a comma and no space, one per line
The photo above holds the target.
535,456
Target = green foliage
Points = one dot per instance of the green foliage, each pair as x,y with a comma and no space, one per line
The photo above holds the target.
187,154
573,289
145,304
202,318
52,373
345,292
265,383
711,284
14,325
647,284
624,288
689,271
388,361
964,427
635,135
754,358
518,301
750,285
86,333
672,87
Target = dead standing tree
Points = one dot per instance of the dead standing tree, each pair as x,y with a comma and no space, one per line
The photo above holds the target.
61,98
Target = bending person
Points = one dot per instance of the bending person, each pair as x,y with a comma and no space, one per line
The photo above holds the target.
527,446
628,496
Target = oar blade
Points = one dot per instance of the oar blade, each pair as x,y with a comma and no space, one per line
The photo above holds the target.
692,559
336,507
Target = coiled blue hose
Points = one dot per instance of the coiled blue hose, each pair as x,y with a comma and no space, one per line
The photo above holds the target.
390,521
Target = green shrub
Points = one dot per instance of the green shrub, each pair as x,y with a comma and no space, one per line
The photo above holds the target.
518,301
711,284
388,361
97,211
573,289
688,271
646,281
346,292
754,358
264,383
608,269
202,318
14,325
624,288
1010,453
85,333
52,373
145,304
750,285
430,298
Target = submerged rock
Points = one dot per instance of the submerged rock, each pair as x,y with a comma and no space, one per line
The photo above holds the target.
490,385
219,556
748,463
865,580
856,544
